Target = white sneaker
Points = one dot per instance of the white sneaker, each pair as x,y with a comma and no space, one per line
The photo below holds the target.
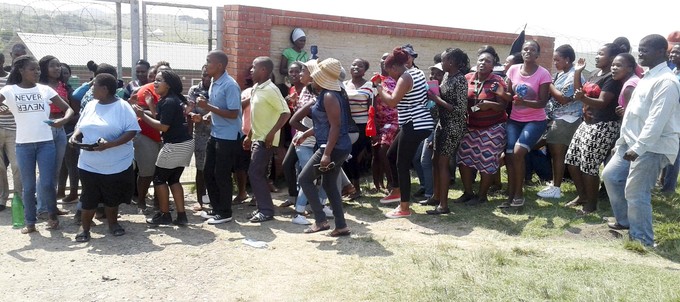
328,211
550,192
301,220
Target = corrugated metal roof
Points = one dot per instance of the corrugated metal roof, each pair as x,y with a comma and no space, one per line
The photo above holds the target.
75,51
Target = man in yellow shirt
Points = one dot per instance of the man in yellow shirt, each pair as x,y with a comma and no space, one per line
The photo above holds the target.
269,112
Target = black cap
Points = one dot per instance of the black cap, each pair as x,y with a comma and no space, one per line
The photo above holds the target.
409,49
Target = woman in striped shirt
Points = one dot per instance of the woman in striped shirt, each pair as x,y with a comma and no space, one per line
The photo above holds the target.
415,122
178,146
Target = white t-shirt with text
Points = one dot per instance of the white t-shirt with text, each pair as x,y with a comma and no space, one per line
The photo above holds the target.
30,107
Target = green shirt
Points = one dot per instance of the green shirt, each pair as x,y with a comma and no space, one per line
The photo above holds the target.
291,55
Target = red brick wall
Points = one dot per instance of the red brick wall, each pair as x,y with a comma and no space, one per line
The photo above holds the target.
247,34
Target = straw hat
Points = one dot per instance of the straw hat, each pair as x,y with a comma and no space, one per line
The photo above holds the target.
328,74
312,66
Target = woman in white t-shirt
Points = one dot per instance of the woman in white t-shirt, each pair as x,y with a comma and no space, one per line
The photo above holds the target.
106,126
30,102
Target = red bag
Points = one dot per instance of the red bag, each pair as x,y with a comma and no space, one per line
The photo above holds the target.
592,90
370,125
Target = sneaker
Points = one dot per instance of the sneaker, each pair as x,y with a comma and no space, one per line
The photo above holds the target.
429,202
550,192
327,210
208,214
181,219
301,220
391,198
397,213
218,219
160,218
259,217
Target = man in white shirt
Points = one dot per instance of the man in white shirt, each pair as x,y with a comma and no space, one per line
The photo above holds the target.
649,141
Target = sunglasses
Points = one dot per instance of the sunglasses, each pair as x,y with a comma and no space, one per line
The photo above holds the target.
325,169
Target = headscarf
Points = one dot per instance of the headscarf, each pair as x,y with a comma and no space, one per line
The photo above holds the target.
297,34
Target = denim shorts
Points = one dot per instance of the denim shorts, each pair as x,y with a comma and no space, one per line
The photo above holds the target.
525,134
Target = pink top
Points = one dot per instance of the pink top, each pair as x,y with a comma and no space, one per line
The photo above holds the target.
533,83
631,82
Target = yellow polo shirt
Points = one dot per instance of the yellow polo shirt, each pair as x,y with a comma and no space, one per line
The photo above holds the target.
267,105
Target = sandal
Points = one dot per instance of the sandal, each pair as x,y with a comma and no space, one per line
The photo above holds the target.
340,232
517,202
117,230
83,236
29,228
504,205
315,229
287,203
438,211
574,203
52,223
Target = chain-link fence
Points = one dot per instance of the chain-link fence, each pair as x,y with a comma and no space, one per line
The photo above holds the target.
103,31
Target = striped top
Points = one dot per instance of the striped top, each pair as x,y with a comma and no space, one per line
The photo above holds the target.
412,106
359,98
6,118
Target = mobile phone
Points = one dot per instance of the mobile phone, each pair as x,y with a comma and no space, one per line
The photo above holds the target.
49,122
87,147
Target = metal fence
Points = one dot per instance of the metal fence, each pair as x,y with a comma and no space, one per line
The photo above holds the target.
118,32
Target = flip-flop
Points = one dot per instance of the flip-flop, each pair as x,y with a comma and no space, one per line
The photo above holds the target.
311,230
336,233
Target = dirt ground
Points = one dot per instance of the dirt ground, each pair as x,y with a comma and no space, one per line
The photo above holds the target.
211,263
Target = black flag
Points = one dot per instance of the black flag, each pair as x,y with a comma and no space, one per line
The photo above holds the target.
517,45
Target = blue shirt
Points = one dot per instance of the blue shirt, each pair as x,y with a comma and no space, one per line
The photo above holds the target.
322,126
226,95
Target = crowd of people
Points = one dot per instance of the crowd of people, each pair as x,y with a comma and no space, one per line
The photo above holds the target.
470,111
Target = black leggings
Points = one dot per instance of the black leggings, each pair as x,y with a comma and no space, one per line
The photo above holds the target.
167,176
401,154
352,167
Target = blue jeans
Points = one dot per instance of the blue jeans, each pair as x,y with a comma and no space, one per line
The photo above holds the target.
426,164
59,136
304,154
525,134
329,182
670,180
41,154
629,185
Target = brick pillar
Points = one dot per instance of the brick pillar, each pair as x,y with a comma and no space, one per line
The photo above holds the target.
247,35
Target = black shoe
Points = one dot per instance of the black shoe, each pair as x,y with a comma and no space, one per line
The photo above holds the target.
475,201
464,198
429,202
181,219
419,193
160,218
616,226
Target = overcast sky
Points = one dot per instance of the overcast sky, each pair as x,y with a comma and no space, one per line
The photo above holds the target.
585,24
